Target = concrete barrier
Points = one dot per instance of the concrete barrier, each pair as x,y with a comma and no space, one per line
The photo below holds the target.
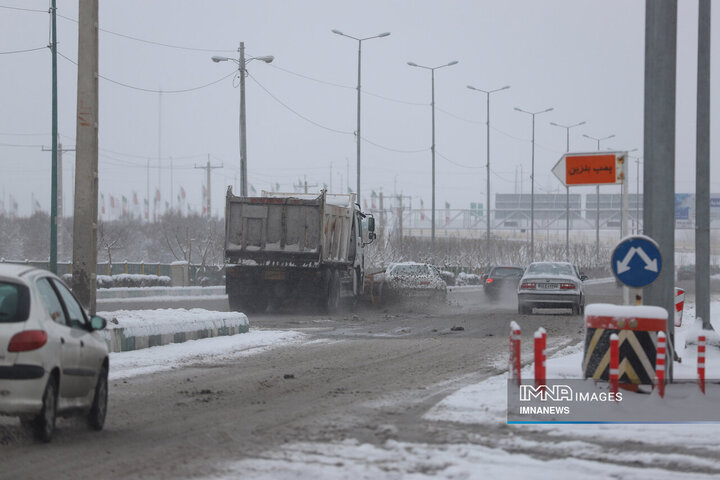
138,292
132,330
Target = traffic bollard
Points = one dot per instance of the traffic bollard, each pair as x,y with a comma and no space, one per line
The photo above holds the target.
701,363
660,364
614,359
515,352
540,345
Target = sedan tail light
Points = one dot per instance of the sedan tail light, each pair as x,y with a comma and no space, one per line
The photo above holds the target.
489,280
27,341
528,286
567,286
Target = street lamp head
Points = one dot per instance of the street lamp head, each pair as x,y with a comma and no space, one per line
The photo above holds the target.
412,64
454,62
384,34
581,123
338,32
217,59
556,125
519,110
505,87
266,58
548,110
588,136
471,87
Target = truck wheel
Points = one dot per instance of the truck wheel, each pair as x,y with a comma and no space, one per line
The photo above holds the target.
333,293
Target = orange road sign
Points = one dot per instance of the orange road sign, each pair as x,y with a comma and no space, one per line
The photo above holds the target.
601,168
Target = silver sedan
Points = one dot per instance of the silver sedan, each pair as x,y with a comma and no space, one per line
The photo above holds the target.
551,285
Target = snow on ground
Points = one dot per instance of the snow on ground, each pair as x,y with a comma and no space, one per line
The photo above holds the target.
207,351
352,460
558,451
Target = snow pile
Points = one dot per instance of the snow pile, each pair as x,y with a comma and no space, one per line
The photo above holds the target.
206,351
170,320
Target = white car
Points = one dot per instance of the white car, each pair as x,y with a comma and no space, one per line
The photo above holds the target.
551,285
53,359
414,280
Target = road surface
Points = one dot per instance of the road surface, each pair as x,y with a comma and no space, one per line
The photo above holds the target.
370,376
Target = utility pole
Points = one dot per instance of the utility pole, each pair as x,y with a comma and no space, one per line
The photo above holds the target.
382,215
659,149
56,239
303,185
86,166
208,168
54,175
702,178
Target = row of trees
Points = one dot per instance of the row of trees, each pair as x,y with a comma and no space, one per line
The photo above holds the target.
193,238
200,240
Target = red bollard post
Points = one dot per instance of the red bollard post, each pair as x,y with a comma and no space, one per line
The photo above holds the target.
540,339
701,362
515,363
660,364
614,361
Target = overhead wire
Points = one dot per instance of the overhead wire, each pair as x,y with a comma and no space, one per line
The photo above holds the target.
23,51
34,10
148,90
151,42
295,111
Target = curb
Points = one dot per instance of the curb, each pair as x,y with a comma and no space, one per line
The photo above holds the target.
124,339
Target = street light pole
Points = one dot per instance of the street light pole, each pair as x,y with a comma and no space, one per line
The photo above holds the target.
597,196
432,147
567,188
487,93
358,137
532,181
242,72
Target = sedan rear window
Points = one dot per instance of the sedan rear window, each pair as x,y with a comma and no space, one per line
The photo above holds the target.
504,272
14,302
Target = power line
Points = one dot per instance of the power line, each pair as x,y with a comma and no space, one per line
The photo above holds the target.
295,111
24,9
23,51
456,163
393,149
151,42
185,90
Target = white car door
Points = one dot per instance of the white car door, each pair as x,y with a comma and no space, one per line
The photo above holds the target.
88,365
59,332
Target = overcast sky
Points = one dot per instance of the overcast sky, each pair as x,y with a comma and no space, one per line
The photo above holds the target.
583,58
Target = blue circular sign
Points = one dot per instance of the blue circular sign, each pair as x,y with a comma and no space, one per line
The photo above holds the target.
636,261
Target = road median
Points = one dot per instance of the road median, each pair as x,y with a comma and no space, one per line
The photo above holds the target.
135,329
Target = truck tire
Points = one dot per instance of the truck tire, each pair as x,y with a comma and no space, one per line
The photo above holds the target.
333,292
247,304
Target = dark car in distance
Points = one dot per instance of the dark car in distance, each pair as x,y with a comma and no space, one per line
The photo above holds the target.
501,280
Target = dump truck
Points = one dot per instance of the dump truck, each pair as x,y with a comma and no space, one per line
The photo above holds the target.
281,247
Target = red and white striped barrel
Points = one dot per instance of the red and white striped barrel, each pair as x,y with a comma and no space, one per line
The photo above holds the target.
679,305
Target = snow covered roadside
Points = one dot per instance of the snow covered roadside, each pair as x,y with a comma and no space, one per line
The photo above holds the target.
653,451
134,329
208,350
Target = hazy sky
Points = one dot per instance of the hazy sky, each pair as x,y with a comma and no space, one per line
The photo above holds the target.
584,58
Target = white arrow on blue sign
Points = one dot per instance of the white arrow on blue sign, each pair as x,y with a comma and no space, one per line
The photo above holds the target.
636,261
